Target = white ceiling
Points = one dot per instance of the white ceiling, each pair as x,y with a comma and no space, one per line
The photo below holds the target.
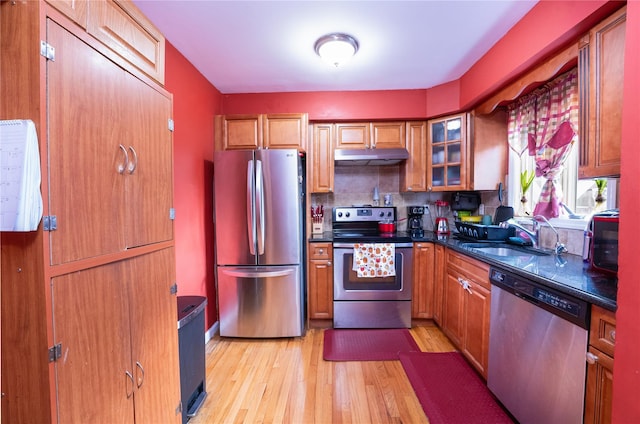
267,46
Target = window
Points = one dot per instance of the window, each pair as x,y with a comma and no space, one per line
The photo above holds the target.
542,131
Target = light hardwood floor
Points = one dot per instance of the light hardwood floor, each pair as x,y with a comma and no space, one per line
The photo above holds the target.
287,381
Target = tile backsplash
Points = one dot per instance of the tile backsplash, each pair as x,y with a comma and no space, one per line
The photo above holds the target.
354,185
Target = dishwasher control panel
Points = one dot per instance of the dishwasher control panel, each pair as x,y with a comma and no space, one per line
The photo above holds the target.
563,305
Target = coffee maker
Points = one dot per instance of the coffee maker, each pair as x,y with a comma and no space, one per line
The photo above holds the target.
414,221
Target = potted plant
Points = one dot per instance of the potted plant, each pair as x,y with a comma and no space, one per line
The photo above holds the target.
526,179
601,186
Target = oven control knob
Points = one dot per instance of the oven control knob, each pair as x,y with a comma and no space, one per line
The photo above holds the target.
348,214
381,214
339,214
389,214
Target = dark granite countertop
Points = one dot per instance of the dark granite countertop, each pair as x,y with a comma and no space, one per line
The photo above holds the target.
568,273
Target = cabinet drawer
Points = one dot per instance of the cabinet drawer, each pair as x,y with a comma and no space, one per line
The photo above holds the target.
469,267
603,330
320,251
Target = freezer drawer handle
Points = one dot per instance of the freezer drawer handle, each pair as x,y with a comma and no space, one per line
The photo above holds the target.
257,274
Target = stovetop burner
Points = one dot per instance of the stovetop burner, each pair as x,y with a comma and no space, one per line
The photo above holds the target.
359,224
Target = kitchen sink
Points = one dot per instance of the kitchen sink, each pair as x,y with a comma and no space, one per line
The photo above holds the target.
503,249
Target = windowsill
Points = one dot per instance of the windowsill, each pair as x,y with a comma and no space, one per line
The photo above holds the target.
566,223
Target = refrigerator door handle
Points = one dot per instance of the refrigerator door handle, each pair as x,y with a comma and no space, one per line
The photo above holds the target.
251,211
256,274
260,207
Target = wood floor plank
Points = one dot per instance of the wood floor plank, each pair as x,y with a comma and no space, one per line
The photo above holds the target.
287,381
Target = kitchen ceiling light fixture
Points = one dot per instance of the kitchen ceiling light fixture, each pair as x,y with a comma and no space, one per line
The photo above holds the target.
336,48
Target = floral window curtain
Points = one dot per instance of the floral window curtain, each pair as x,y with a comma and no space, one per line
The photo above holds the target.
547,121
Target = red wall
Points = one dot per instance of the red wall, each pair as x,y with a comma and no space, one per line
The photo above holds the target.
195,103
626,371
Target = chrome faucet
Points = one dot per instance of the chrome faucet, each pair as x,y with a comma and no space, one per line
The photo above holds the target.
534,234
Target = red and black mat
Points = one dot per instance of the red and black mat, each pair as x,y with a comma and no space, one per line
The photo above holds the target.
367,344
449,390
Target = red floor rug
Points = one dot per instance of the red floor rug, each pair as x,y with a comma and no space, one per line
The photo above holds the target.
367,344
449,390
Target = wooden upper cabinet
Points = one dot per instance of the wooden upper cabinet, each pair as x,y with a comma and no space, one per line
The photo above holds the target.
388,135
285,131
413,171
76,10
124,29
488,165
238,132
448,153
271,131
355,135
321,163
601,80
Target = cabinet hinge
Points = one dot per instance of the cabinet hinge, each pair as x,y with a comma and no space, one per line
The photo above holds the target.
55,352
173,289
50,223
172,213
47,50
171,125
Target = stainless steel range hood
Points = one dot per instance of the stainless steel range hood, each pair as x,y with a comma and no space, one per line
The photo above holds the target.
378,157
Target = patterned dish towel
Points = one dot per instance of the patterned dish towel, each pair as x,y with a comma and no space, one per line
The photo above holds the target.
372,260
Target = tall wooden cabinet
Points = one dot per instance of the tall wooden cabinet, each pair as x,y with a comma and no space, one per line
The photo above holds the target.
321,164
601,81
89,320
413,171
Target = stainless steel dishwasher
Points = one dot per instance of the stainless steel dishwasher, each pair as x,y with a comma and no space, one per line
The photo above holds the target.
537,347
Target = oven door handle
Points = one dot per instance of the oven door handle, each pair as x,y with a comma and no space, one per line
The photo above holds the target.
352,245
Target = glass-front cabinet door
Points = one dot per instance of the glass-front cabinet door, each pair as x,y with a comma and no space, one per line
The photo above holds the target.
448,153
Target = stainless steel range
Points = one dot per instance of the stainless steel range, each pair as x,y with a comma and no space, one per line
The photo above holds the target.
365,295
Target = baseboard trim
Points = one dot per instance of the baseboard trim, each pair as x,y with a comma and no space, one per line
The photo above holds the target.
208,335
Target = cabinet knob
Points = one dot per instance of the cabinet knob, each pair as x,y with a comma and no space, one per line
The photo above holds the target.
591,358
612,335
328,263
321,251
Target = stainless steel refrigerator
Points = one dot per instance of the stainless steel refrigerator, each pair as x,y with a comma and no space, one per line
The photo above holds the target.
259,198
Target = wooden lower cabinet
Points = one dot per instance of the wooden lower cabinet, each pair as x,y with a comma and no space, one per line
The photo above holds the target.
466,308
320,289
599,393
423,282
116,327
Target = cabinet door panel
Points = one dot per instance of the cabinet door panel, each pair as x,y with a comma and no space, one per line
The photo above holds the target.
85,187
352,135
154,337
148,179
322,173
285,131
423,278
91,321
388,135
452,309
476,338
124,29
413,171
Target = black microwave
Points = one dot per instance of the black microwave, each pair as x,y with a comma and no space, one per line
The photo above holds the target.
604,241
